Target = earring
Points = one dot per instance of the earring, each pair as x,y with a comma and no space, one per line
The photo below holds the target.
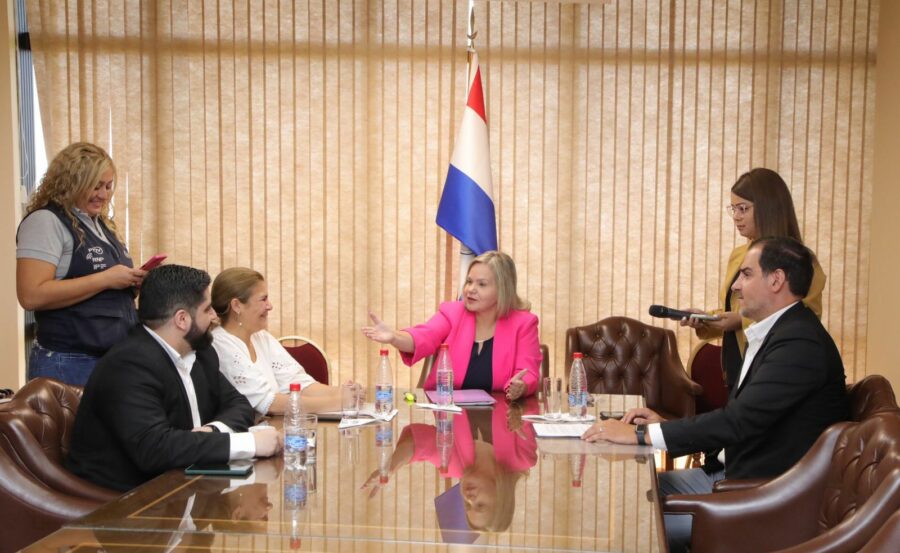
239,320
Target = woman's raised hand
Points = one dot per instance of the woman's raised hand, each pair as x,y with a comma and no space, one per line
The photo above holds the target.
379,332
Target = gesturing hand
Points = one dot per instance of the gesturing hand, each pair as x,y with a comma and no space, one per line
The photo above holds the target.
516,387
380,332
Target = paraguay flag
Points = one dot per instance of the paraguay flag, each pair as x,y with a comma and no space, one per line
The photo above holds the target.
467,210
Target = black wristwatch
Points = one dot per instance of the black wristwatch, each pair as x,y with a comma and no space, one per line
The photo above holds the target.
640,431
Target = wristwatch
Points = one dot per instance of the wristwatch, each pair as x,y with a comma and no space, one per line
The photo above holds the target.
640,431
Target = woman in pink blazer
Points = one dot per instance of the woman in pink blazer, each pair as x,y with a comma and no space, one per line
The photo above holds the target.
492,335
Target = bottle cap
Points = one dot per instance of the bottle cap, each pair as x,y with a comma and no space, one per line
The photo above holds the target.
577,355
383,479
445,346
295,386
295,543
576,483
383,351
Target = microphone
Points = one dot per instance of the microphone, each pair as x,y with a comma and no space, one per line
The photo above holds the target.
664,312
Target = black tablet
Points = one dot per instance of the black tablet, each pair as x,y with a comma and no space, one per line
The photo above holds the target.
234,468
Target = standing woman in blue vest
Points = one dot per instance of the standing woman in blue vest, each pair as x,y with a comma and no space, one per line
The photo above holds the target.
72,269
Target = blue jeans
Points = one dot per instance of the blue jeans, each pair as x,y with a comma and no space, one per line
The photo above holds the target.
71,368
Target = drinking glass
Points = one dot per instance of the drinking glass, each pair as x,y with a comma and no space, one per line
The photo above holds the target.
553,398
308,428
349,401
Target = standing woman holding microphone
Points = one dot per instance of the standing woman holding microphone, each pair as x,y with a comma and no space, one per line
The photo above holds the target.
492,335
72,269
761,207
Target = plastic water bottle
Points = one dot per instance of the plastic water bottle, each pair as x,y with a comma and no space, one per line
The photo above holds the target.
295,497
577,388
384,444
384,385
444,437
294,438
444,376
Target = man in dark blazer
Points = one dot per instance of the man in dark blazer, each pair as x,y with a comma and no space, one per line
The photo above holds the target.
791,387
157,401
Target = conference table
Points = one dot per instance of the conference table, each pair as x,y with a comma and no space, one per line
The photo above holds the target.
425,481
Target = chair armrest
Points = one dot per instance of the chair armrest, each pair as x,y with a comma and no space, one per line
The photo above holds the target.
738,484
678,390
858,528
732,521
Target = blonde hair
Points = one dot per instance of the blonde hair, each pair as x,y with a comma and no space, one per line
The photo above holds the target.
71,176
234,283
504,270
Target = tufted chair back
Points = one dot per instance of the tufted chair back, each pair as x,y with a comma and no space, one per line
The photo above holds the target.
873,394
865,467
623,355
35,432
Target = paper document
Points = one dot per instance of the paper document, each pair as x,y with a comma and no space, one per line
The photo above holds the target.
565,418
359,421
565,430
435,407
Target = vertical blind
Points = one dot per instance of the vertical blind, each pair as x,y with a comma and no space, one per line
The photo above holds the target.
310,141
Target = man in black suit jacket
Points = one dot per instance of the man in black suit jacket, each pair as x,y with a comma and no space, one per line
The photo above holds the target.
157,400
791,388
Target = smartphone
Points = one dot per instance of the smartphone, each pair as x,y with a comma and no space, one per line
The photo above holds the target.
154,261
234,468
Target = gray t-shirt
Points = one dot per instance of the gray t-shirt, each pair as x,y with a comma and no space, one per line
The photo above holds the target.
44,237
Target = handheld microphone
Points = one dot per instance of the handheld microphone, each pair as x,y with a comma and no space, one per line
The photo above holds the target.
676,314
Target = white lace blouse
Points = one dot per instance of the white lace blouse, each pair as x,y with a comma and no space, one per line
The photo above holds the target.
273,371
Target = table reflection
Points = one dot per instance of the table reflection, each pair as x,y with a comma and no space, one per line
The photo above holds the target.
427,479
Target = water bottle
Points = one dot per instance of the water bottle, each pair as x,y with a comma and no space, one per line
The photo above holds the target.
384,445
295,496
444,437
444,376
294,438
577,388
384,385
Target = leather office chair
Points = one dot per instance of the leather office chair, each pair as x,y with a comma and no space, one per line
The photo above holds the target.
429,362
35,429
623,355
834,499
311,356
873,394
886,539
37,493
705,368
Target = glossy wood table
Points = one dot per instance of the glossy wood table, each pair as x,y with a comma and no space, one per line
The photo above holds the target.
425,482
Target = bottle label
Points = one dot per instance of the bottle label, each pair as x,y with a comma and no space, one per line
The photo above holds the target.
294,443
384,437
384,395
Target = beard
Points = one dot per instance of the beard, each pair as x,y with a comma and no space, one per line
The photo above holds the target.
198,339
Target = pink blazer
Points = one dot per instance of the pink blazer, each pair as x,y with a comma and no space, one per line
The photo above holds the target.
515,451
516,345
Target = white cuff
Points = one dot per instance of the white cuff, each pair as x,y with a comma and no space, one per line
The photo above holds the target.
656,436
221,426
243,446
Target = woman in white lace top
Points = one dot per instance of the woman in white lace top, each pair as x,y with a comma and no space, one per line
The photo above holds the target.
250,357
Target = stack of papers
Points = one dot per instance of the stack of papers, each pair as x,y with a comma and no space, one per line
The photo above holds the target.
567,430
366,418
565,418
435,407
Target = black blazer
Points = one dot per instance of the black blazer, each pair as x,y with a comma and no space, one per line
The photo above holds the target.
134,420
795,389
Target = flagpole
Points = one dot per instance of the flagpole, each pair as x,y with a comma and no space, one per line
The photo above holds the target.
465,254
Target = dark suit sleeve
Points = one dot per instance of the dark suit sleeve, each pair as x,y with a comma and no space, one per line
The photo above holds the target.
140,397
791,367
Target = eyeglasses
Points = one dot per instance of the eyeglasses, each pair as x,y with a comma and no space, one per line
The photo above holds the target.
738,209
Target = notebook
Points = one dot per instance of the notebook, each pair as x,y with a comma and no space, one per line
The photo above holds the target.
465,397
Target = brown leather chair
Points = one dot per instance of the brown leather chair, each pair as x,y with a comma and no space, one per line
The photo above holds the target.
29,510
429,361
623,355
834,499
873,394
887,538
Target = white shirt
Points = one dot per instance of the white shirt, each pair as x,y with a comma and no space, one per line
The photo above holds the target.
756,335
241,444
273,371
